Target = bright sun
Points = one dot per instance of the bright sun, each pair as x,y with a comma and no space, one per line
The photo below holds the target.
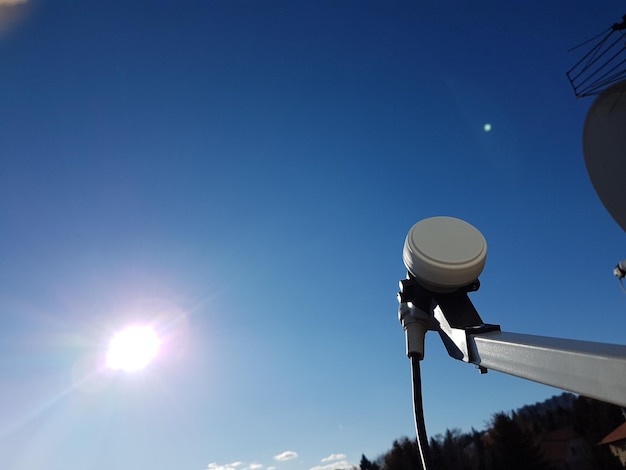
133,348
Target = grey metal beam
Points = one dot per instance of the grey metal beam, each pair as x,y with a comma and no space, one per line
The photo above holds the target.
595,370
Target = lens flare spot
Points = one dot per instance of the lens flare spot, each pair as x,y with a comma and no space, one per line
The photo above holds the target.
133,348
487,127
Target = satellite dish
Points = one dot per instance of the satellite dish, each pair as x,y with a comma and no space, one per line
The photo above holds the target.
444,253
604,149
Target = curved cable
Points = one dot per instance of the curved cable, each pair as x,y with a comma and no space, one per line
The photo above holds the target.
420,426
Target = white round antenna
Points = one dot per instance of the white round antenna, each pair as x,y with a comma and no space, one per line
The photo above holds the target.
604,149
444,253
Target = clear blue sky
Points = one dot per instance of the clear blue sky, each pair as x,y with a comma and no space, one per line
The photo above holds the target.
242,175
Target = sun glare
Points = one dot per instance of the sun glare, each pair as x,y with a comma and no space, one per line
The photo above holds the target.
133,348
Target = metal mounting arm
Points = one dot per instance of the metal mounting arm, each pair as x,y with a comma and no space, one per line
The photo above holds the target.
595,370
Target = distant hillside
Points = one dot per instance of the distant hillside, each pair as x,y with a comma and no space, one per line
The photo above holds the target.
564,401
537,436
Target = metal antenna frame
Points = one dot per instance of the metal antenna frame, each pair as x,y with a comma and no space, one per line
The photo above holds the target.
595,370
603,65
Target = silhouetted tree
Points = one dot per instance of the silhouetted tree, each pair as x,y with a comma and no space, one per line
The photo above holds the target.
479,456
512,448
436,452
452,451
368,465
403,456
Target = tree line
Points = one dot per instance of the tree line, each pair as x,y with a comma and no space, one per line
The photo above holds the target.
516,440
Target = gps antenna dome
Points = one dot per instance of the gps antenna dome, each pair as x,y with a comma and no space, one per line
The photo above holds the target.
444,253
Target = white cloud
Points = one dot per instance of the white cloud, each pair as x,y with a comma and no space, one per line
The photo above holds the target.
254,466
287,455
332,457
228,466
271,468
340,465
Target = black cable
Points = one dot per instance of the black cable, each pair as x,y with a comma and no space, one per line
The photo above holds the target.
418,409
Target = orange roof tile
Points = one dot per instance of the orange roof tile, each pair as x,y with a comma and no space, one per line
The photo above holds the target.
617,434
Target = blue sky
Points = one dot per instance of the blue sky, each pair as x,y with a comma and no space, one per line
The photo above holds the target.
241,175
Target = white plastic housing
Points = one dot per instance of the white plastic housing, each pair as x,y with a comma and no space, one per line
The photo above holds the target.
444,253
